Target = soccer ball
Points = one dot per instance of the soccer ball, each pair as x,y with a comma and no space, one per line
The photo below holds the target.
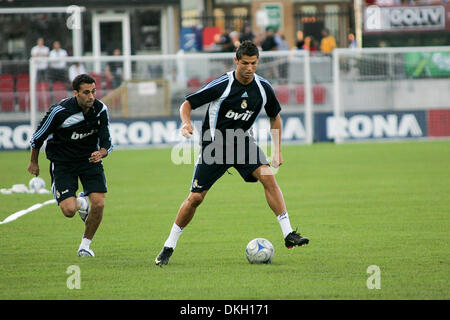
259,250
36,184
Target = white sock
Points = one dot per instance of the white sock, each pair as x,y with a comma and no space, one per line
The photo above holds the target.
175,233
82,202
285,224
85,243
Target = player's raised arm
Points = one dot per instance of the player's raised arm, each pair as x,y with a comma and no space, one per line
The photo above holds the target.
185,114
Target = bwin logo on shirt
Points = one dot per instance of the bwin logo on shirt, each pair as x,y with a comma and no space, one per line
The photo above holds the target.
78,136
244,116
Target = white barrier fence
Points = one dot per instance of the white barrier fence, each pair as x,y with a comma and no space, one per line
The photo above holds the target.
377,81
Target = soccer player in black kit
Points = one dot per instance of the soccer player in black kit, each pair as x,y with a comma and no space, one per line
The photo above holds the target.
77,134
234,102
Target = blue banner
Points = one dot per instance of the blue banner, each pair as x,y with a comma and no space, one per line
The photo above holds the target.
166,131
371,125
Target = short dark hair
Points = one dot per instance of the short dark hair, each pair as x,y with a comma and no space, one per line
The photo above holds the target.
247,48
82,78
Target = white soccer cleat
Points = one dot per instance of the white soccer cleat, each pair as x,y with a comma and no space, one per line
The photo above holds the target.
85,253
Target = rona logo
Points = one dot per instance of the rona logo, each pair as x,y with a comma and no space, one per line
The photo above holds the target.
374,126
79,136
244,116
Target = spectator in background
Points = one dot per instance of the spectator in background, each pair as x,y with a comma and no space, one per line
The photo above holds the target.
114,70
310,44
225,43
300,41
269,42
75,70
40,50
234,35
352,41
258,40
281,41
58,70
247,33
328,42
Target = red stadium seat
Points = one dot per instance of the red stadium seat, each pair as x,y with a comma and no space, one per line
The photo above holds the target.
7,96
59,91
194,84
319,93
208,80
23,91
7,101
22,77
299,93
7,77
43,95
283,93
98,79
6,85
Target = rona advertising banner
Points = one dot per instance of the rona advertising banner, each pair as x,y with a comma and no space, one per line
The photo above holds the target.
354,126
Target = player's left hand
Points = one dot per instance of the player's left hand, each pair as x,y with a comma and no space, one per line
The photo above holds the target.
95,157
277,160
187,130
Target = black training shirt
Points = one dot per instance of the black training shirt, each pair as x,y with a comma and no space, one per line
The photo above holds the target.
232,105
72,135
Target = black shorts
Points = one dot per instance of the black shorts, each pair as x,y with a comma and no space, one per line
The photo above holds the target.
65,177
209,168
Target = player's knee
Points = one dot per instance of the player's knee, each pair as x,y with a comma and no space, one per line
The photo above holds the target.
195,199
68,207
68,211
268,181
98,204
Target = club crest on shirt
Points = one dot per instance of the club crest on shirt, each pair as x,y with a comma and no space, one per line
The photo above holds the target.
244,104
195,184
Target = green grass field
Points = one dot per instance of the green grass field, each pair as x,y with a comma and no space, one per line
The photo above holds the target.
360,204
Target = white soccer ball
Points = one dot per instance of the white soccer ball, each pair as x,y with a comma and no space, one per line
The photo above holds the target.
259,250
36,184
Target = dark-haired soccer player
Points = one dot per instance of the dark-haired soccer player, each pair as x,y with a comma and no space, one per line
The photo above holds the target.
77,134
235,101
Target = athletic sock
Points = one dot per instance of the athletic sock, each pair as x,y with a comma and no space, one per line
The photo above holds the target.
85,243
175,233
285,224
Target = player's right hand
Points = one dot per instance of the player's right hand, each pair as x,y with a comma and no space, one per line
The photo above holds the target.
33,168
187,130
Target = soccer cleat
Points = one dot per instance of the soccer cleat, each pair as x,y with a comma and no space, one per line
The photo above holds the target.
83,213
295,239
85,253
164,256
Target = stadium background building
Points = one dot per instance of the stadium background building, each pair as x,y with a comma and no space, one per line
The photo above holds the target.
164,27
154,26
135,26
